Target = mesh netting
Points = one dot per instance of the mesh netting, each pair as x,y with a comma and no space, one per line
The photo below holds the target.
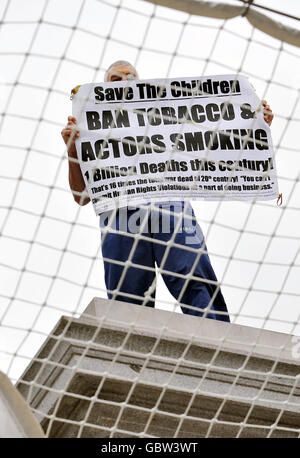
50,253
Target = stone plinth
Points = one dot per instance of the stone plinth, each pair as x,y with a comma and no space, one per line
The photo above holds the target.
121,370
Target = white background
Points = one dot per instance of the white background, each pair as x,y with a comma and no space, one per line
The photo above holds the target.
49,259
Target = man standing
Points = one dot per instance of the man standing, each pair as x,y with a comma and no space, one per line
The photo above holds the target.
130,251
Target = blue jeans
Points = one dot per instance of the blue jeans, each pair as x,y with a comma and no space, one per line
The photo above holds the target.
185,264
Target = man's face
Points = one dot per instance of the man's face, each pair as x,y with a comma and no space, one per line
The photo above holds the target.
122,73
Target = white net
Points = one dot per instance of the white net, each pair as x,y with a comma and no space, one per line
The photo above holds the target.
50,254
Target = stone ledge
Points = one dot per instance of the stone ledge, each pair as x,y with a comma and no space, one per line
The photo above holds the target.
119,345
234,337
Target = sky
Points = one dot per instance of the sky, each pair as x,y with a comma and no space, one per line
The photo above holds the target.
50,263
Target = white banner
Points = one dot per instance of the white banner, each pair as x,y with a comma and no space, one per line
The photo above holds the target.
173,139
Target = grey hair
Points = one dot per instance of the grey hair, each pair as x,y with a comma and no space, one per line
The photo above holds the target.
118,62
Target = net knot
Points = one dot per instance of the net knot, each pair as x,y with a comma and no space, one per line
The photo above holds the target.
249,3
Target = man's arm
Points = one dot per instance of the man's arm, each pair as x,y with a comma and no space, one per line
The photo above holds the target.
76,181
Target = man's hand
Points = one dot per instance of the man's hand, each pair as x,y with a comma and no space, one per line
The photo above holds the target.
268,115
76,181
69,135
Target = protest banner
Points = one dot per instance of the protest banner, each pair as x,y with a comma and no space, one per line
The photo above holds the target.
173,139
